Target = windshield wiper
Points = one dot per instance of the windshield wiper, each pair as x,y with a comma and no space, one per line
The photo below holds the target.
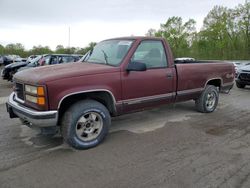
105,57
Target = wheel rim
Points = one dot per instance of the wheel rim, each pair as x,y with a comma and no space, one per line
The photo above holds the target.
89,126
211,100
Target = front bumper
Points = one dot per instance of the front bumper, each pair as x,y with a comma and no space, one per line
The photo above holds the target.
245,82
31,117
226,87
243,78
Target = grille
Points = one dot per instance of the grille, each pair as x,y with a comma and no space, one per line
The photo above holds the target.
245,76
19,91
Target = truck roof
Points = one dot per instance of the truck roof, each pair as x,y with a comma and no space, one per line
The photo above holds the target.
134,38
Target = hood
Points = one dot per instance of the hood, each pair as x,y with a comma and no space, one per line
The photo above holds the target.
16,64
245,68
41,75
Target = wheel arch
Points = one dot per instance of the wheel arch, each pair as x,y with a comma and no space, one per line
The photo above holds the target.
217,82
103,96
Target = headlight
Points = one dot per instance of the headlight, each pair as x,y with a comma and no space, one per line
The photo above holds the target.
37,100
35,94
31,89
31,98
34,90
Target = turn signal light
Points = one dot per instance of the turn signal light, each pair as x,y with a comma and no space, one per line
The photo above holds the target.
40,91
41,100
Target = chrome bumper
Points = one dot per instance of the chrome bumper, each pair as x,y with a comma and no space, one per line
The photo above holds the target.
31,117
225,88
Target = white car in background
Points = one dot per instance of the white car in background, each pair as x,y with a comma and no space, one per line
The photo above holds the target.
185,59
236,65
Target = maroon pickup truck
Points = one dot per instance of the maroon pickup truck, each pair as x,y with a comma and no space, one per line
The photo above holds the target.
120,75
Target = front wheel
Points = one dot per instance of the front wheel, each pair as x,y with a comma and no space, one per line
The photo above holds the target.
85,124
208,100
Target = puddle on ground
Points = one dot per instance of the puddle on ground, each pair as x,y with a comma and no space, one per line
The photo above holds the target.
217,131
141,126
33,137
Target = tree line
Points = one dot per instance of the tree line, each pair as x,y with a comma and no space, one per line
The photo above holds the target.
225,34
18,49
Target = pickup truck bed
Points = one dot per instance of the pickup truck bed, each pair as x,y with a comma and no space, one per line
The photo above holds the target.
205,73
120,75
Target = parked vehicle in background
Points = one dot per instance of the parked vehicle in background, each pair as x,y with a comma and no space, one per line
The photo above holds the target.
184,60
41,60
9,70
51,59
243,76
12,56
30,58
237,65
20,60
121,75
1,60
8,59
33,63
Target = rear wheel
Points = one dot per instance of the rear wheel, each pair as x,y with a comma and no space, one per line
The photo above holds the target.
85,124
208,100
239,85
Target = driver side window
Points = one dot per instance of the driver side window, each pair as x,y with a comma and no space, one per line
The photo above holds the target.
151,53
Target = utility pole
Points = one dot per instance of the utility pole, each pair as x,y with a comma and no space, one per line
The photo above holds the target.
69,38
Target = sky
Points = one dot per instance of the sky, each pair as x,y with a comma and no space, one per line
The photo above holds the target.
47,22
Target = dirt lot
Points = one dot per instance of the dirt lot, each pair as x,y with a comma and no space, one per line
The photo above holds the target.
172,146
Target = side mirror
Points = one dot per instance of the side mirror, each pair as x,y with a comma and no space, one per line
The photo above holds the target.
136,66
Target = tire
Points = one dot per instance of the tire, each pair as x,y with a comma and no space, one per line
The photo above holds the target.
208,100
11,76
239,85
85,124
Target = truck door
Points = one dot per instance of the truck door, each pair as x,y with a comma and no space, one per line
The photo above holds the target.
155,86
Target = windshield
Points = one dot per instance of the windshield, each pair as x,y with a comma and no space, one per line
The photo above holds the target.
110,52
35,60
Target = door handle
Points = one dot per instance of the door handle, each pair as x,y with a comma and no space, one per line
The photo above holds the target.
169,75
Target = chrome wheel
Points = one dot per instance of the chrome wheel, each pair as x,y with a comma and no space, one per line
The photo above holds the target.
89,126
208,100
211,100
